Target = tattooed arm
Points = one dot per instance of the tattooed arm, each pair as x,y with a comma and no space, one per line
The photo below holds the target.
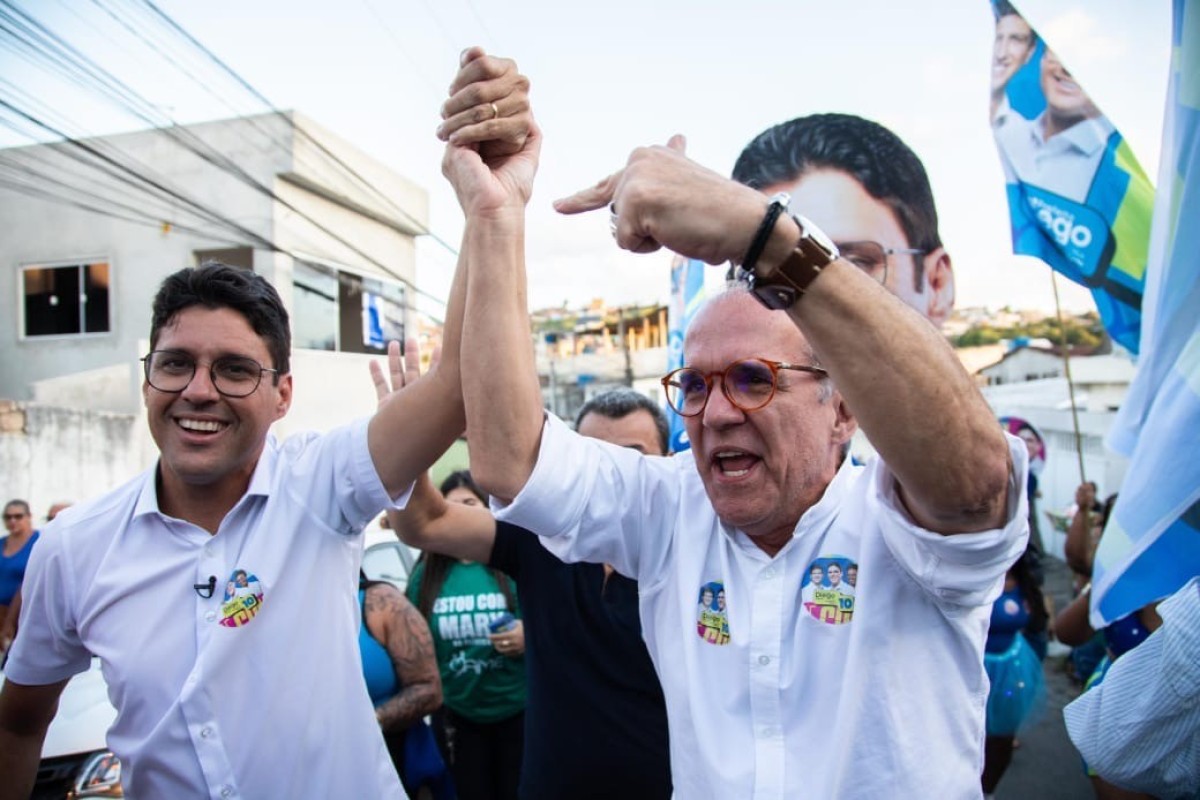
396,623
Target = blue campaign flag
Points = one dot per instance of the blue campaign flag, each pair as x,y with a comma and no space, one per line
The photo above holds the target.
1076,195
687,293
1151,545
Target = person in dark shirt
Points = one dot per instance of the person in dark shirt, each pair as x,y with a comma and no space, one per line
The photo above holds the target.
595,719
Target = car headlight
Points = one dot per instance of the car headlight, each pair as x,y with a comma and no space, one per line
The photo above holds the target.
99,777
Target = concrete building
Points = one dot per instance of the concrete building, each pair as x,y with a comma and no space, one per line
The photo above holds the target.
91,229
1030,383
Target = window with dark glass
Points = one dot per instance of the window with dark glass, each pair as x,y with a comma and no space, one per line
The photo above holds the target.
314,306
66,300
337,310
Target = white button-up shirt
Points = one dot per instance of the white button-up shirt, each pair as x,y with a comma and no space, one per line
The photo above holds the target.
1064,164
875,691
1140,728
254,692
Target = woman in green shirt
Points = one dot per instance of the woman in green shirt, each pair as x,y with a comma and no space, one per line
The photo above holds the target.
481,725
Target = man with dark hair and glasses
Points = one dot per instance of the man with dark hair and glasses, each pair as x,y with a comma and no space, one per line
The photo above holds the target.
261,694
848,703
868,191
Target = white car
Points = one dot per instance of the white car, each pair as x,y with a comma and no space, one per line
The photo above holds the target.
386,558
75,760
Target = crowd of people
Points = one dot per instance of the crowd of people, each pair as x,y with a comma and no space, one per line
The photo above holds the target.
593,616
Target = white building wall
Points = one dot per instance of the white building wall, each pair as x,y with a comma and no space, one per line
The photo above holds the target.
329,389
43,232
49,455
114,389
138,257
398,200
1023,365
1046,405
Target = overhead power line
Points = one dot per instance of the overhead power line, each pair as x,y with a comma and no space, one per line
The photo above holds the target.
62,58
91,150
136,105
167,20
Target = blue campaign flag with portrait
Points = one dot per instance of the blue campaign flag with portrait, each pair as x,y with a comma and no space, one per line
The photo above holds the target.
1077,197
1151,545
687,293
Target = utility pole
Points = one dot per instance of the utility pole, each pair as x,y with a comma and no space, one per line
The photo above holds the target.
625,347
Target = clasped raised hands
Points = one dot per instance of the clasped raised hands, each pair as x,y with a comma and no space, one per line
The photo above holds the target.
492,141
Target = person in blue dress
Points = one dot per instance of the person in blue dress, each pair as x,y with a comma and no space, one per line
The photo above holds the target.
14,555
1018,688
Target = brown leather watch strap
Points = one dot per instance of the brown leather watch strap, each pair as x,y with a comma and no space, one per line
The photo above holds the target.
792,277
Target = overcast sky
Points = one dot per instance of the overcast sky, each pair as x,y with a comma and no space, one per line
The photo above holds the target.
610,76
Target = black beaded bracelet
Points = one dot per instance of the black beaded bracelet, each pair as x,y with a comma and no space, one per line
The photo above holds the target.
778,204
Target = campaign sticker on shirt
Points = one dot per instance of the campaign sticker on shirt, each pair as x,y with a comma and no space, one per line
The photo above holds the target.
243,599
712,623
828,588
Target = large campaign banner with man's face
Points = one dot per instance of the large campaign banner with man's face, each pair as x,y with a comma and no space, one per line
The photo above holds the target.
1077,196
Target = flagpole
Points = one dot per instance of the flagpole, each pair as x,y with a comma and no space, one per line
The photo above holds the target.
1066,347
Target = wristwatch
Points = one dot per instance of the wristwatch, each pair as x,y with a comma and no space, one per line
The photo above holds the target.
783,287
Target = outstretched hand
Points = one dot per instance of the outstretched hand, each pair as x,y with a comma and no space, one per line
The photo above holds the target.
493,143
663,199
604,192
401,370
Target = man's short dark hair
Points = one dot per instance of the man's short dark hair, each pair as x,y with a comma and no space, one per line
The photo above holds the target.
884,165
216,285
619,403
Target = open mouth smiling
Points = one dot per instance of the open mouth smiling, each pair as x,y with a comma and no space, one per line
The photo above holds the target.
1066,84
201,425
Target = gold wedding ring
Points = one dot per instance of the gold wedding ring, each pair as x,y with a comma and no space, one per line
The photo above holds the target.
495,111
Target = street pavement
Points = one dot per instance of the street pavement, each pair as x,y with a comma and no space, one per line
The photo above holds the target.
1046,765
